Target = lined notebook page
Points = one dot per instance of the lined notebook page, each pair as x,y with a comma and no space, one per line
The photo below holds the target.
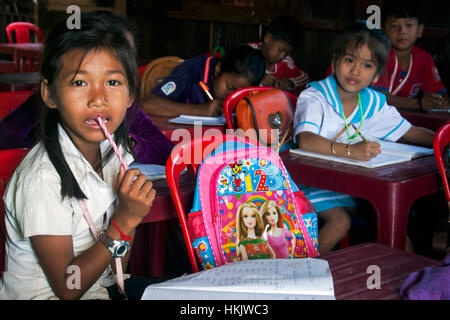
380,160
270,279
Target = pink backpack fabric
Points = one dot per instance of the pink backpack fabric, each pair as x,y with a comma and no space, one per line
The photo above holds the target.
234,185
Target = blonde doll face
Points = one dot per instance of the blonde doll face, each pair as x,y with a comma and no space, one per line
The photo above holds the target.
249,217
271,215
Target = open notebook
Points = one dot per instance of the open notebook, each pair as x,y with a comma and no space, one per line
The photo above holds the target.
205,121
391,152
263,279
152,171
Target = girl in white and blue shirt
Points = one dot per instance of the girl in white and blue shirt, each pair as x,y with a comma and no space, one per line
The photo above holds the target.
327,110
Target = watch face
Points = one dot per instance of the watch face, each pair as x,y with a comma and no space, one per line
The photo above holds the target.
122,249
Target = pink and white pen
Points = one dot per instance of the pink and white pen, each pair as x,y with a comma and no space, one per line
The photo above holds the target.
111,141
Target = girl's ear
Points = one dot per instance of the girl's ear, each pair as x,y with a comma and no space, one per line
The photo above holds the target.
131,102
333,65
46,95
420,31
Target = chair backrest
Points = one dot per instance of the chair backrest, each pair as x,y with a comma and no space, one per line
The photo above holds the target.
190,153
9,160
156,71
10,100
232,100
440,144
22,32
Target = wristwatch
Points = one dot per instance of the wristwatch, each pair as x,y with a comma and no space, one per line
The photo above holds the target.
118,248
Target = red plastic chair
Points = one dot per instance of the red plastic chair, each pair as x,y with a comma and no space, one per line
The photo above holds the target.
232,100
441,141
441,235
22,32
141,70
11,100
9,160
190,154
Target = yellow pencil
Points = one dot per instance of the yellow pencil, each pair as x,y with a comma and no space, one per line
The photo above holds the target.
359,133
205,88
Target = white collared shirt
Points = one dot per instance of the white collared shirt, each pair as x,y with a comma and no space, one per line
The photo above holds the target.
319,111
34,206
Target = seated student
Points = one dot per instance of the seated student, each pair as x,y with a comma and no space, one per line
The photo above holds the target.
181,93
71,209
329,107
19,128
410,79
280,38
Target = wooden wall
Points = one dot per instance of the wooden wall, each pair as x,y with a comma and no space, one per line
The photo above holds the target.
191,27
187,28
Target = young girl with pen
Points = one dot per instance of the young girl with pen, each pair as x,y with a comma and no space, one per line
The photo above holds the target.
71,208
182,93
327,111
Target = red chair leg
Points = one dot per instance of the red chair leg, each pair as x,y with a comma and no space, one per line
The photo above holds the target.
157,237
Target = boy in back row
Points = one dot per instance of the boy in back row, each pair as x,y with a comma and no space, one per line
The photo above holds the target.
281,37
410,79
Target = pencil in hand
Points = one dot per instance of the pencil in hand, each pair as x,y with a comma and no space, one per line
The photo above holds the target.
205,88
359,133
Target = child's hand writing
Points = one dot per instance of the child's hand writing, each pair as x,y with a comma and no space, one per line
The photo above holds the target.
136,196
364,150
283,84
214,108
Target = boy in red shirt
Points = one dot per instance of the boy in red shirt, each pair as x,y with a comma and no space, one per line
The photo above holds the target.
281,37
411,79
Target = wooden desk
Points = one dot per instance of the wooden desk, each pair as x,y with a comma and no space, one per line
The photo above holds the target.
429,120
19,51
23,81
349,270
390,189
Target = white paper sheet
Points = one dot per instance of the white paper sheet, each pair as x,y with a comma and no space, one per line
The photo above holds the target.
206,121
264,279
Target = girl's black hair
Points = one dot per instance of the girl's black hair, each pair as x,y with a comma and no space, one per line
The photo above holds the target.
245,61
355,35
96,33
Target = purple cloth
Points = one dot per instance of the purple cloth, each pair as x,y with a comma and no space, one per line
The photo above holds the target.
152,146
428,283
18,130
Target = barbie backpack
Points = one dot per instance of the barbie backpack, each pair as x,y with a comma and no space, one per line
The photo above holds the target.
247,207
